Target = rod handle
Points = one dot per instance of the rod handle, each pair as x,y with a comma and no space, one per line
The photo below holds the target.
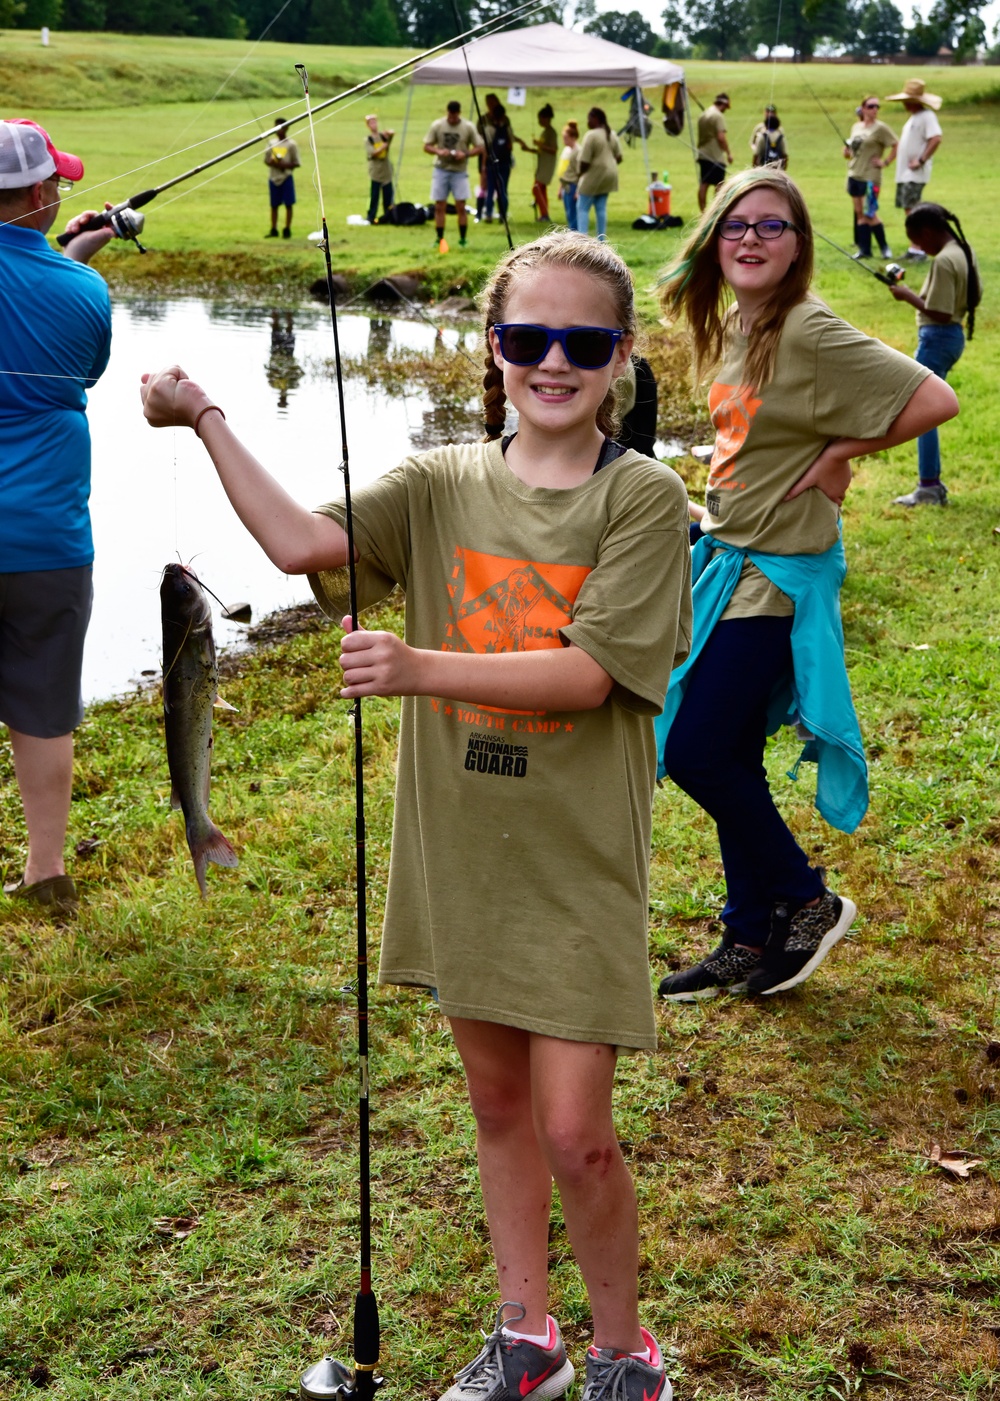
99,221
366,1329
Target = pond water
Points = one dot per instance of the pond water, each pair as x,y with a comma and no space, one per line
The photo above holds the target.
155,496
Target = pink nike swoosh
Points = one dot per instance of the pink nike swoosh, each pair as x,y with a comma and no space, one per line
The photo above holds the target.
528,1384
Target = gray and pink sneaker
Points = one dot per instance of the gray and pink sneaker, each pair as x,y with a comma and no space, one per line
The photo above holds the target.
512,1369
618,1376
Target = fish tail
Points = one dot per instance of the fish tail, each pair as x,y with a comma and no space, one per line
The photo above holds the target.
211,846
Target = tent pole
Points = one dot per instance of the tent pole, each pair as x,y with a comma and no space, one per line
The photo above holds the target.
402,142
642,130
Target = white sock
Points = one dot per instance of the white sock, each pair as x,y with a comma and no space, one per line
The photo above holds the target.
539,1340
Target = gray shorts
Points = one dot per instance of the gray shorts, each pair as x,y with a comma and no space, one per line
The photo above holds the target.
43,623
910,193
449,182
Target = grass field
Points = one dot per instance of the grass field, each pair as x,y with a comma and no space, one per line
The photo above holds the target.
177,1087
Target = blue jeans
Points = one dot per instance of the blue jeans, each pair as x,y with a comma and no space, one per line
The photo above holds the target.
568,193
497,180
715,752
938,347
584,204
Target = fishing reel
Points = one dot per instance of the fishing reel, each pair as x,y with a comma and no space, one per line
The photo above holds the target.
123,221
891,274
127,224
330,1378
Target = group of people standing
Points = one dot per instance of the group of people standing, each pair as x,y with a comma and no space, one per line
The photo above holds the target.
586,168
550,619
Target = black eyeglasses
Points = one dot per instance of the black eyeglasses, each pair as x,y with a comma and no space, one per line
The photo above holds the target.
872,106
734,229
586,347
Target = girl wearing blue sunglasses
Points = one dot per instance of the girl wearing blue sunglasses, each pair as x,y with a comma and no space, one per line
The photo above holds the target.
546,574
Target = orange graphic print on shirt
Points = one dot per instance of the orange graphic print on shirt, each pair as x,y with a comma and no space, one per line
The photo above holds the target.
508,605
732,408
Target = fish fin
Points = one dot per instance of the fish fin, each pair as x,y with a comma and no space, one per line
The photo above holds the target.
212,847
175,801
221,704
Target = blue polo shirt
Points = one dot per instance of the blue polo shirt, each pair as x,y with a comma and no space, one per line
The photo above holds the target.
55,339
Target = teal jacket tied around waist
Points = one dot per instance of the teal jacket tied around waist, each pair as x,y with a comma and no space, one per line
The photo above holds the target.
817,694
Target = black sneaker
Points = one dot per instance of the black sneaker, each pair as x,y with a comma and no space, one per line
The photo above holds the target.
271,233
724,970
616,1376
511,1369
286,233
800,940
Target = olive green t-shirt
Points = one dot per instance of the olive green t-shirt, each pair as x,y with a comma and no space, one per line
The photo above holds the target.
601,154
947,285
463,136
520,851
377,156
830,381
869,143
711,125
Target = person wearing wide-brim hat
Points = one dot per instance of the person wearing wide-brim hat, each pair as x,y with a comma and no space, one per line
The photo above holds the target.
920,139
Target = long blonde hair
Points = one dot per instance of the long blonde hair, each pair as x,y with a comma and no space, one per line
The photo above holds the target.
558,249
693,286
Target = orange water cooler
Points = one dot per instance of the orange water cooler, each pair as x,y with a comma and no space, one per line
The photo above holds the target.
659,196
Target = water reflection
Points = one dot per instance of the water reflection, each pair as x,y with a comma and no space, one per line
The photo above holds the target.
284,373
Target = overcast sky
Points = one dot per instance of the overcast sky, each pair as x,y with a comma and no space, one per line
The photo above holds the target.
653,10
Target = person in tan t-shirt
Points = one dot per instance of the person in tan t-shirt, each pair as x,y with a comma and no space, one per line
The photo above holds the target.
870,148
797,394
949,295
546,575
714,153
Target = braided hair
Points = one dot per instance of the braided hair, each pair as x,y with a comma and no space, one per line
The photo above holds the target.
941,220
563,249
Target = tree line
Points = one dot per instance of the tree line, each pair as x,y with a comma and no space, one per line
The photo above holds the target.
718,29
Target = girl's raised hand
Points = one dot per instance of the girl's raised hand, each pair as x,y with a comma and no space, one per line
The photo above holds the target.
832,473
170,399
376,663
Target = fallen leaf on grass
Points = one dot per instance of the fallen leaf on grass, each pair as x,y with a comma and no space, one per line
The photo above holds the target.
957,1162
177,1227
59,1184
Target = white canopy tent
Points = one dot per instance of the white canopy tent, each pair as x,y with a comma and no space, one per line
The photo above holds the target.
548,56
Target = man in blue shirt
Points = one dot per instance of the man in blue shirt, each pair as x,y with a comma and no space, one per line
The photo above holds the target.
56,316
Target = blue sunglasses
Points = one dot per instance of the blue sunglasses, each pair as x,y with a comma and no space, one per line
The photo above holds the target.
586,347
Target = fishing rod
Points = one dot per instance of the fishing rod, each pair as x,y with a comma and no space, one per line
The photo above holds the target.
118,217
330,1378
490,155
891,274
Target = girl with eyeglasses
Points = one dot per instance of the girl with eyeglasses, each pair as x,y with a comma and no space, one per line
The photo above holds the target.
546,573
796,393
870,147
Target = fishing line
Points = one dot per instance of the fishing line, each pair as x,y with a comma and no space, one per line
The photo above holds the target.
481,126
826,114
774,54
229,77
329,1377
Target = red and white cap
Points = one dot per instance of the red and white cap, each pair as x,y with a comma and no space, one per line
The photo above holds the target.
27,155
